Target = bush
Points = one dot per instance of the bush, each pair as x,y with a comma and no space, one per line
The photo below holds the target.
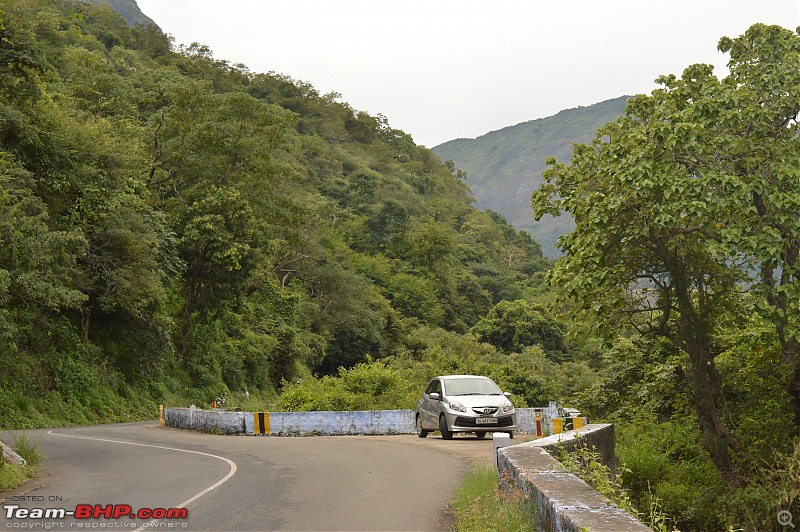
665,461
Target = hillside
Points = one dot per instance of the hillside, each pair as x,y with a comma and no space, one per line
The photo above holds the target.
184,228
129,10
503,167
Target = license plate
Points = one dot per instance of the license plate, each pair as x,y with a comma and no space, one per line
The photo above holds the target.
485,420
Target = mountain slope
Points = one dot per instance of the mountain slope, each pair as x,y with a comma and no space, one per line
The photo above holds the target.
182,225
503,167
129,10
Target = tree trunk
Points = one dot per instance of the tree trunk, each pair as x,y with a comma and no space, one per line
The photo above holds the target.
789,359
704,393
705,390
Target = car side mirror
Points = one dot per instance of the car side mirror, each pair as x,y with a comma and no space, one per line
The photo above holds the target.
508,395
435,396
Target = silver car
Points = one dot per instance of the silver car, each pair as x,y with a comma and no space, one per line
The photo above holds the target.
464,403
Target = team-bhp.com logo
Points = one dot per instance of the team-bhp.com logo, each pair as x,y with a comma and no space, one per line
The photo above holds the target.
94,511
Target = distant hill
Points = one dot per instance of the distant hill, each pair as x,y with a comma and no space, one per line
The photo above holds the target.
129,10
503,167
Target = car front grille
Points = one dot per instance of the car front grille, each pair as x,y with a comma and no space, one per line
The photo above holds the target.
470,422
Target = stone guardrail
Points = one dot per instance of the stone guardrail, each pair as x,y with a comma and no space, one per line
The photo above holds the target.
9,455
327,423
563,502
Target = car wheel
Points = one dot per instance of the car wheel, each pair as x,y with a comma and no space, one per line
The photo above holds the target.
480,435
446,434
511,434
422,433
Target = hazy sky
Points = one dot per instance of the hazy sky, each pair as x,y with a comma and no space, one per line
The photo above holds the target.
444,69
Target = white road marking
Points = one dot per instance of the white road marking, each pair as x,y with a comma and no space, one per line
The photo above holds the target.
184,503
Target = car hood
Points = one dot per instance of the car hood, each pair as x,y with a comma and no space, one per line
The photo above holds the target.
471,401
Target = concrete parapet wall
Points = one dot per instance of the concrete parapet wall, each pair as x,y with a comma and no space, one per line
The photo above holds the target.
216,422
526,420
342,423
599,436
9,455
563,502
306,423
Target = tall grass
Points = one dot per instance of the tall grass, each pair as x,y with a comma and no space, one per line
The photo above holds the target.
27,448
12,475
480,504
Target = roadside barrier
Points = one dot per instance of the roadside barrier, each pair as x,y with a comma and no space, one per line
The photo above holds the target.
529,420
561,424
563,502
261,424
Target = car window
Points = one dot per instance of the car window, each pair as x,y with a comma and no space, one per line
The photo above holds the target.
471,387
434,387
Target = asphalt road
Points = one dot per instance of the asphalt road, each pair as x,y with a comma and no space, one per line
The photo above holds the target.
241,482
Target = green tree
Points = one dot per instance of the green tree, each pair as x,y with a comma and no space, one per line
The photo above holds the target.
691,194
38,266
757,128
514,325
675,201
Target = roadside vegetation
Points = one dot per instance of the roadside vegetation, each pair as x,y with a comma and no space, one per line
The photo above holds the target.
175,228
13,475
480,504
684,261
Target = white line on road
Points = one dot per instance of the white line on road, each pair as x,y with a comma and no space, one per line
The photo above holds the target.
184,503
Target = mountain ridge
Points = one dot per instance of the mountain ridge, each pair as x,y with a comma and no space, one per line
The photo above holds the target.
504,166
129,10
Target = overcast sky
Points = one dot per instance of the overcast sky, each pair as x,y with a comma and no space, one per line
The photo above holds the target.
445,69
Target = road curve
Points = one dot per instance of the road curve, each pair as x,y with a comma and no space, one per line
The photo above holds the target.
245,483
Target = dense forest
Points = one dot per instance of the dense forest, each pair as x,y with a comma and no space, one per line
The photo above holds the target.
176,228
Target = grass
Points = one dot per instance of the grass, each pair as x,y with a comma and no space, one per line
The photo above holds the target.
12,475
480,504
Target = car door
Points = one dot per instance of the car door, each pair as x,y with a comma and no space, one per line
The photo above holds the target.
428,408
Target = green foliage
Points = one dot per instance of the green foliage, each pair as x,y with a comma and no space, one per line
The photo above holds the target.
687,197
586,463
776,488
366,386
398,380
175,226
11,476
480,504
513,325
665,463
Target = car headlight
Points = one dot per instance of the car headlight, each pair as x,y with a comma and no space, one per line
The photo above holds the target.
508,407
458,407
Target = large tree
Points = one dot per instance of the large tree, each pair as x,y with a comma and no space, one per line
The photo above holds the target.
687,199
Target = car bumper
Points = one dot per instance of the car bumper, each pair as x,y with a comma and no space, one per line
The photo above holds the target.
461,422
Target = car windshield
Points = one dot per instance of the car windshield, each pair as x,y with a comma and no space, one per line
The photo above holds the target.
470,387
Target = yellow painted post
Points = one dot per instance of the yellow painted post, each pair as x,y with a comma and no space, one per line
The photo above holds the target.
578,422
261,423
557,425
161,415
538,423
